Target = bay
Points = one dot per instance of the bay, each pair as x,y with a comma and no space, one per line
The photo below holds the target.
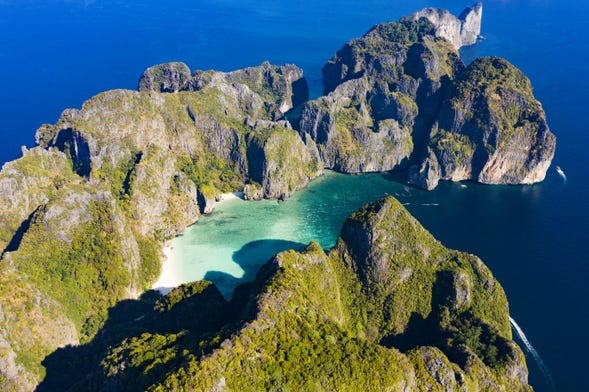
55,54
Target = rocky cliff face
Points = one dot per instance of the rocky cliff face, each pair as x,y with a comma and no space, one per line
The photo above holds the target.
383,90
280,87
389,308
400,97
490,129
86,211
461,31
83,215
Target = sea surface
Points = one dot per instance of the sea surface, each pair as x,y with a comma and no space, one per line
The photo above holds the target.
55,54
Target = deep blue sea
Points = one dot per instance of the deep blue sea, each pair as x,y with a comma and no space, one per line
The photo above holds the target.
55,54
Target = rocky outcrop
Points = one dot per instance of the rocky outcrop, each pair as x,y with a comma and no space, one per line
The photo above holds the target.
165,78
490,129
110,181
462,31
208,123
281,163
83,215
26,184
281,87
401,98
348,139
384,90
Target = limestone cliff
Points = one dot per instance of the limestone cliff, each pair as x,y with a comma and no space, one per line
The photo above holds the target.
401,98
384,90
85,212
490,129
83,215
461,31
281,87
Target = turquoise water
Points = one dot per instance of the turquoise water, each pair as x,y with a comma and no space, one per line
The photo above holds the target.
57,53
229,246
505,225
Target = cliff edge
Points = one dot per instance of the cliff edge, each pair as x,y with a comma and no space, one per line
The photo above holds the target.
463,30
388,308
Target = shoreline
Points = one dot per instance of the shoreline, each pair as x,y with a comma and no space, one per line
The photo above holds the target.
229,196
168,278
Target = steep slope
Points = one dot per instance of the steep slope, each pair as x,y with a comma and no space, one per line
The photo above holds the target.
84,213
400,97
490,129
461,31
389,308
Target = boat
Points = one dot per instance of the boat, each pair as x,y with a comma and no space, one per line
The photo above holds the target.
561,173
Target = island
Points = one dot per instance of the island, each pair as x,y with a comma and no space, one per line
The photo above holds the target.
86,211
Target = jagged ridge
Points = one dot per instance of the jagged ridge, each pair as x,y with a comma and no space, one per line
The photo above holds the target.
84,213
387,308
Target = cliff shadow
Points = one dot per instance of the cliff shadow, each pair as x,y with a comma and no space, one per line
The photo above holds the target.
66,367
188,317
19,234
185,319
73,144
425,331
250,257
459,334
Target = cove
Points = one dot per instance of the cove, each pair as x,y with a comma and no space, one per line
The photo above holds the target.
518,231
229,246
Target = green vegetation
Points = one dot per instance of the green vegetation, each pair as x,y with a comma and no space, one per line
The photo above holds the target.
86,226
85,274
501,99
455,147
311,320
210,174
149,252
74,242
386,35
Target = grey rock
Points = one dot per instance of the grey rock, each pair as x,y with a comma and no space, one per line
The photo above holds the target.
167,77
384,90
280,162
283,87
462,31
490,129
426,176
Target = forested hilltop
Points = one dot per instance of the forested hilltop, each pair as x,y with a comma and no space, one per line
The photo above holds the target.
84,215
388,308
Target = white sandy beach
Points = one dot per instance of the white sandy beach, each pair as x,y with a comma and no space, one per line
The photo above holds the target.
169,278
229,196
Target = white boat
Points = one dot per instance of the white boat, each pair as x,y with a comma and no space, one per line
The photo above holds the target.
561,173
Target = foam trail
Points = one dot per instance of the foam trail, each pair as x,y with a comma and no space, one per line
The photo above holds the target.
534,353
561,174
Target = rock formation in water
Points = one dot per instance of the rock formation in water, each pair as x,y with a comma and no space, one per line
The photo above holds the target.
490,129
388,308
462,31
400,97
83,216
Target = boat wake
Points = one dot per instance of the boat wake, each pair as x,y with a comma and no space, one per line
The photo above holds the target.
561,173
430,204
534,353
